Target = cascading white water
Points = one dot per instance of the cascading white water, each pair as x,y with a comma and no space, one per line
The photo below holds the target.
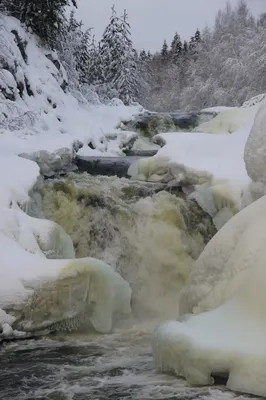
150,238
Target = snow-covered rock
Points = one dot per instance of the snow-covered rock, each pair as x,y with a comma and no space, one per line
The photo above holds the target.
228,121
149,124
214,164
42,286
255,149
227,294
51,164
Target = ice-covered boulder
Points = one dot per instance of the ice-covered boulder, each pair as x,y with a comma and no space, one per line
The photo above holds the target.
255,149
220,198
40,295
161,169
228,121
150,123
53,163
43,288
226,294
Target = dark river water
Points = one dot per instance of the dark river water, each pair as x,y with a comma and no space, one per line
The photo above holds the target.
118,366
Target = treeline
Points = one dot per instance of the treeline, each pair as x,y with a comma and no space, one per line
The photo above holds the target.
224,65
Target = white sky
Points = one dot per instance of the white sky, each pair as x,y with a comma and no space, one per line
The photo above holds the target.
152,21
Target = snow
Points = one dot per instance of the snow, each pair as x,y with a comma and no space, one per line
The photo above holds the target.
255,149
228,121
50,119
217,109
226,333
17,177
220,154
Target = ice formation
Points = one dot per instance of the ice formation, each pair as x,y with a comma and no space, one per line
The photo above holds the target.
43,287
255,149
226,291
42,293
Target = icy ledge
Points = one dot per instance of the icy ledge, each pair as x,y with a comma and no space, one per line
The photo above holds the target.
227,295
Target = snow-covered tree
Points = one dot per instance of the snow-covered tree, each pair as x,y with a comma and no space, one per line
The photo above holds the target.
126,82
46,18
164,51
176,48
110,48
83,56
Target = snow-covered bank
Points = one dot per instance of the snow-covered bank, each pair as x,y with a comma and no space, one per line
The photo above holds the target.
222,322
37,112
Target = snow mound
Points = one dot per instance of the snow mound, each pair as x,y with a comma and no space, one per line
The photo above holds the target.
220,155
255,149
221,200
212,164
228,121
160,169
227,294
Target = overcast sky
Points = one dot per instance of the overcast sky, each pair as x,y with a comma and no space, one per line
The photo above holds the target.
154,20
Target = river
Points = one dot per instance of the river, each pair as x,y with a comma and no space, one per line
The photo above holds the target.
117,366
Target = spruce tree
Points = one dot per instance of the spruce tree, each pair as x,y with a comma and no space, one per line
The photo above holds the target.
126,81
185,47
164,51
194,44
46,18
197,36
110,49
83,56
149,55
176,48
143,55
95,72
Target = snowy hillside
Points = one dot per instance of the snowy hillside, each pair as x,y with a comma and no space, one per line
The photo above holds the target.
37,112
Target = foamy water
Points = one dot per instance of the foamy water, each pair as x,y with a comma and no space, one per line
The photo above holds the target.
118,366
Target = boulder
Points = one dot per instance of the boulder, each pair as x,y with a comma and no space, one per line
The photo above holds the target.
255,149
150,124
53,164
